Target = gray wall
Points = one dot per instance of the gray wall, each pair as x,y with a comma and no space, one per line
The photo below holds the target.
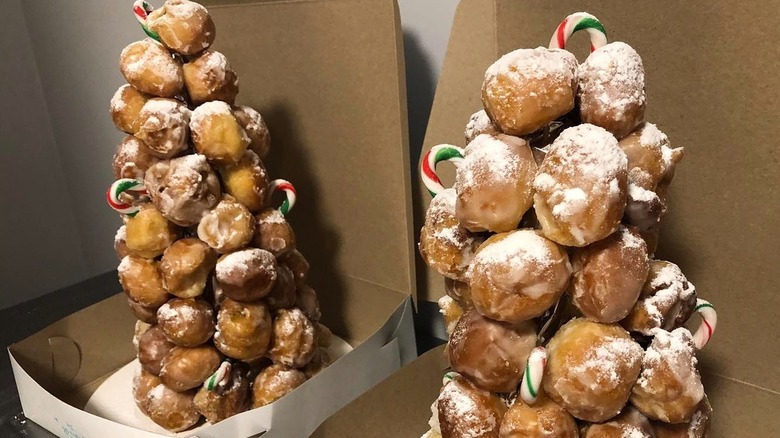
41,248
56,139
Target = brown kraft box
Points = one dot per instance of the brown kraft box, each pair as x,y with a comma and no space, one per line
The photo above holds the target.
712,88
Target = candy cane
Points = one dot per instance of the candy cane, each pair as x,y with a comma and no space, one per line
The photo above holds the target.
532,377
141,10
709,319
220,378
129,187
579,21
449,377
442,152
281,185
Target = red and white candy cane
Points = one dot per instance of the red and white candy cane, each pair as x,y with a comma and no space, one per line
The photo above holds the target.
125,195
141,10
282,185
220,378
709,319
437,154
579,21
449,377
532,377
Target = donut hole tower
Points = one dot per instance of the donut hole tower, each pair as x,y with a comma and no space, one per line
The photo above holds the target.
561,322
226,318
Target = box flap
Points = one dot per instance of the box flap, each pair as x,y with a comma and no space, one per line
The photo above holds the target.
712,90
397,407
329,83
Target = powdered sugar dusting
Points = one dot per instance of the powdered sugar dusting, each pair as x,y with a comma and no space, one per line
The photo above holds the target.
574,202
601,366
614,66
479,123
638,194
150,57
522,245
272,217
631,240
486,158
675,352
538,63
651,136
466,413
208,110
242,262
117,103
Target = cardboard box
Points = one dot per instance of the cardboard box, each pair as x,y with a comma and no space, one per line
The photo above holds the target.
712,88
328,78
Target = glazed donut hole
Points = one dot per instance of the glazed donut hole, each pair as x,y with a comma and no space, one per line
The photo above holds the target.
307,301
667,300
698,427
148,233
517,276
274,234
543,419
132,158
275,382
293,342
163,126
490,353
319,362
612,89
669,388
172,410
445,245
283,294
183,188
299,267
464,410
460,291
247,181
210,77
479,123
609,275
324,335
186,368
243,329
528,88
143,383
141,280
153,347
120,243
227,227
494,183
630,423
451,311
591,368
186,322
217,134
124,107
150,69
581,186
247,275
186,266
146,314
183,26
224,402
255,127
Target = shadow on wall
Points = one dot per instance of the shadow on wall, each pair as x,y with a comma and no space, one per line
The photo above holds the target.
420,90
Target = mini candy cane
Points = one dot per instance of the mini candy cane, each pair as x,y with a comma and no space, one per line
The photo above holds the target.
125,194
709,319
141,10
449,377
579,21
281,185
220,378
532,377
442,152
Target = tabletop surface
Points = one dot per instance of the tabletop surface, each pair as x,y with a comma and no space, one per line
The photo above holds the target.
21,321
